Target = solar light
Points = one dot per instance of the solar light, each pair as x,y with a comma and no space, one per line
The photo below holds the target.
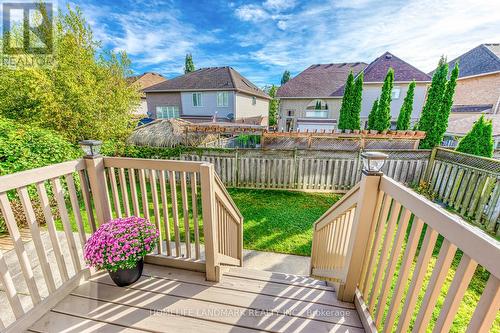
373,162
91,148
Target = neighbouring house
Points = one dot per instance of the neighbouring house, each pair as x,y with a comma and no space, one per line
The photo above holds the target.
218,94
458,127
312,99
144,81
477,91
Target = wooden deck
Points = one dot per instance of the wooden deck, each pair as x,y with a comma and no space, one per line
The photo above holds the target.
173,300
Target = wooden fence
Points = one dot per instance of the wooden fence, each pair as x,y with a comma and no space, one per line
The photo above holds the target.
469,185
314,170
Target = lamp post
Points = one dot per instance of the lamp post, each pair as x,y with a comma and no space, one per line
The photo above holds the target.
373,162
91,148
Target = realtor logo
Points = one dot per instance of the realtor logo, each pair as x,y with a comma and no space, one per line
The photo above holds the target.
27,37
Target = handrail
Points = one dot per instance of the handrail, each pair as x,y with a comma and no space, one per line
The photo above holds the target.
228,197
347,201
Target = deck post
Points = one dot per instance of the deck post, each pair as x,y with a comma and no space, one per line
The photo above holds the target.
97,181
358,244
209,222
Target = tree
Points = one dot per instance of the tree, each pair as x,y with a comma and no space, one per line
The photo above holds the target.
433,103
355,121
273,106
382,120
345,108
406,109
188,64
286,77
373,115
479,140
83,95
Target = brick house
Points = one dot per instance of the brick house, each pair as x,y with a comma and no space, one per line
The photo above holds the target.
313,98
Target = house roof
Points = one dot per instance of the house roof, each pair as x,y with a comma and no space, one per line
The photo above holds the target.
319,80
403,71
211,78
146,80
482,59
461,126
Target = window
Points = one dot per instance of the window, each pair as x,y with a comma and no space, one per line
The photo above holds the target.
394,125
317,114
167,111
222,99
395,92
197,100
254,100
291,113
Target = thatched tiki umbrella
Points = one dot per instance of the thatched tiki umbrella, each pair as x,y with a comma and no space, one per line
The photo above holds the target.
167,133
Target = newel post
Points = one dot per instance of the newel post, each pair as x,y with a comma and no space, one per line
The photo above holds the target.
363,219
209,222
97,179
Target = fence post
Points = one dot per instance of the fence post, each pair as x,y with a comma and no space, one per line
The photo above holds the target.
97,182
209,222
430,165
358,244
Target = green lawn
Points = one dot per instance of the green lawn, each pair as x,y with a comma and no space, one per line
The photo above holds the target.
280,221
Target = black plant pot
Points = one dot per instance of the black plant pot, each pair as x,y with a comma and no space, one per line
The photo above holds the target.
125,277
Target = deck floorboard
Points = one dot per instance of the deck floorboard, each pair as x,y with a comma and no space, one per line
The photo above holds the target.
173,300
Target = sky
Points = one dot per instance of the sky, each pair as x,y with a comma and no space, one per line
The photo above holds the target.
261,39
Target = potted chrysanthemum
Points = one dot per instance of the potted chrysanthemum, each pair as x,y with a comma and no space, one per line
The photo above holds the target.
120,246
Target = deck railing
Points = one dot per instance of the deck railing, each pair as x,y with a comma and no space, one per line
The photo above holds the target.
372,257
200,226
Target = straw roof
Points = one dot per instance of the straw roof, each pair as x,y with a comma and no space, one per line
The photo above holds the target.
167,133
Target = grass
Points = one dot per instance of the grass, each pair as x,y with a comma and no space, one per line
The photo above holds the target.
280,221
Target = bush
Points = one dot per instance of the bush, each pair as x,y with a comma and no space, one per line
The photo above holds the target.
479,140
24,147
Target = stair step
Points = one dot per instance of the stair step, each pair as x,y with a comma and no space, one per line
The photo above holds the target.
276,277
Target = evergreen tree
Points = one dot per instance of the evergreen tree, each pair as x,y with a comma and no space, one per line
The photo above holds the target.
345,108
383,118
273,106
433,103
479,140
286,77
356,100
318,105
373,115
188,64
406,108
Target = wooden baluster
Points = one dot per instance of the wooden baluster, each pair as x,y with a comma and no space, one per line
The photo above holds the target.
487,307
84,184
443,263
156,208
404,271
194,204
22,256
185,214
10,289
49,220
175,212
133,192
124,190
144,194
166,222
458,287
417,279
76,209
394,257
63,212
114,191
37,239
381,265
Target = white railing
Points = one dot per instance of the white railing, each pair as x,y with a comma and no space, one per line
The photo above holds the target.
378,270
316,113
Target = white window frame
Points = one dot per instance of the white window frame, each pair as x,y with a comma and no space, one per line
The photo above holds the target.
167,111
197,99
222,99
395,93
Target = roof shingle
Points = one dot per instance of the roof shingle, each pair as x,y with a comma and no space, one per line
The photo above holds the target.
211,78
482,59
403,71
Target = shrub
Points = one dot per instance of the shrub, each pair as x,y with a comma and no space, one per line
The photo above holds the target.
382,120
406,109
24,147
120,243
479,140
